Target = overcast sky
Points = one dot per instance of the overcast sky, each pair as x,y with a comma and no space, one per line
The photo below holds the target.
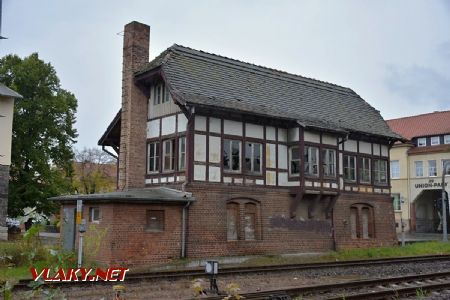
395,54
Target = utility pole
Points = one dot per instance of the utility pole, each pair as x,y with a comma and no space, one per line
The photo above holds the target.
445,165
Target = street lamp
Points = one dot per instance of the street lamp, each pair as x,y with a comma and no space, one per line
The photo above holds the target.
445,165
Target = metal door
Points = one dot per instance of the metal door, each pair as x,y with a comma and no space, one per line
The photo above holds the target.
69,229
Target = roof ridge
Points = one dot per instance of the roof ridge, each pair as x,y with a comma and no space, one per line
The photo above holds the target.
419,115
177,47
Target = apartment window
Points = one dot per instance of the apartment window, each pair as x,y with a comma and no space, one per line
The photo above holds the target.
444,163
94,214
395,169
364,170
435,140
350,167
447,139
432,171
311,160
182,153
232,155
396,202
294,159
329,162
380,171
153,158
160,94
419,168
253,157
361,222
242,220
155,220
168,152
421,142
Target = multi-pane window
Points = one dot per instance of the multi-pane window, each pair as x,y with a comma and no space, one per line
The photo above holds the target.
160,94
395,169
94,214
181,153
396,202
350,167
294,159
153,157
253,153
329,162
155,220
447,139
311,160
232,155
364,170
421,142
419,168
435,140
168,155
380,171
432,171
446,165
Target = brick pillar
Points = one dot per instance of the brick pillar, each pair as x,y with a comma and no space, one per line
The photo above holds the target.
136,44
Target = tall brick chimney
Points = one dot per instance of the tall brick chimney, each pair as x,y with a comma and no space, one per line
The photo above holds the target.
136,44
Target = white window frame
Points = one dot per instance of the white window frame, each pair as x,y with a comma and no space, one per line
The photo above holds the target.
447,139
421,142
418,165
291,160
252,167
170,154
327,164
346,164
155,158
230,168
399,208
181,153
443,161
378,172
395,169
365,162
309,165
435,140
92,209
430,168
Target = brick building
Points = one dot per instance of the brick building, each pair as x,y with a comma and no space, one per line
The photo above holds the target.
222,157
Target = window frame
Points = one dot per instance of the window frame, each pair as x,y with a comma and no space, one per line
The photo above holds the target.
416,164
171,156
396,200
395,175
181,152
230,168
292,160
378,172
252,158
363,169
92,210
430,168
442,164
359,208
355,169
155,158
447,139
243,210
162,221
435,138
308,159
419,144
326,164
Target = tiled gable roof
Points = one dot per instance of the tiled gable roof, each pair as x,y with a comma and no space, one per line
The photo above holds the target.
434,123
206,79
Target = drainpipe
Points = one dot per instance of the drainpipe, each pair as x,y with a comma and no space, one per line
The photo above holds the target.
183,230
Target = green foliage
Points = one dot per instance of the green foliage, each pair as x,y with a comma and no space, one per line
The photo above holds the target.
43,134
93,239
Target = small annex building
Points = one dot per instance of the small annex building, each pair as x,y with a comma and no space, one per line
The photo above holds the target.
218,157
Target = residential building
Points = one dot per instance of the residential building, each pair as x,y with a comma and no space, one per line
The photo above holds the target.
6,120
416,170
219,157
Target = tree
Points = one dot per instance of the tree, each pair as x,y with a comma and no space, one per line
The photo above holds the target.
95,171
43,134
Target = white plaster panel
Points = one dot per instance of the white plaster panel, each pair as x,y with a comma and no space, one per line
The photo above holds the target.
153,129
259,181
317,184
181,178
377,190
355,189
182,123
238,180
200,172
329,139
282,178
308,183
351,145
200,123
168,125
227,179
386,191
148,181
214,174
271,178
365,147
293,134
282,135
341,164
200,147
270,133
214,149
282,157
249,181
311,137
384,151
232,127
171,179
348,188
254,131
271,156
163,179
376,149
155,180
326,185
341,182
214,125
334,185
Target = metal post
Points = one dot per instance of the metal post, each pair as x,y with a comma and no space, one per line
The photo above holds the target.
80,250
444,210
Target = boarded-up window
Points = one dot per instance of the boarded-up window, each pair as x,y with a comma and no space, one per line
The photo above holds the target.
155,220
250,221
354,222
361,221
232,221
365,223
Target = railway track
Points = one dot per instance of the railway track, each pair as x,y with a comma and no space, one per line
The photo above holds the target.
195,273
386,288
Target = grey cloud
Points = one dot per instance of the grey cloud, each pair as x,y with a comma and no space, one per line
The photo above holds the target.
444,49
